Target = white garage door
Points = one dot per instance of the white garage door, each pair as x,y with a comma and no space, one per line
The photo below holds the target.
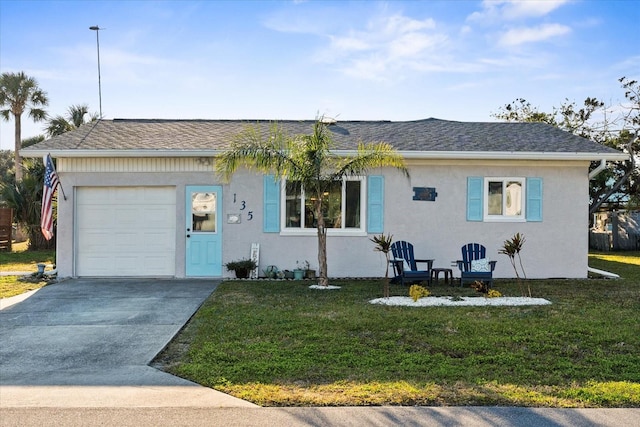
125,231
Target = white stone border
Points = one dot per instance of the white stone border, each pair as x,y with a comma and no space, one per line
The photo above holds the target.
462,301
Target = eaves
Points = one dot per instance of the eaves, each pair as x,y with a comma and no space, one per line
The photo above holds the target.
456,155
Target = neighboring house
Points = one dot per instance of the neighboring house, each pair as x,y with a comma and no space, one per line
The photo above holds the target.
143,199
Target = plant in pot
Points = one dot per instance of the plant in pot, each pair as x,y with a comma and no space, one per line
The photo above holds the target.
242,267
309,273
299,272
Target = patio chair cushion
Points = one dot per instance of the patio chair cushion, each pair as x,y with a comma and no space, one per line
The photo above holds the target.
480,265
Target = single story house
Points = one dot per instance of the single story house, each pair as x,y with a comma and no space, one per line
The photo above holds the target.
143,199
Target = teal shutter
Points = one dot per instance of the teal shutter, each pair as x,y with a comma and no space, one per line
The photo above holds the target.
375,204
271,204
474,198
534,199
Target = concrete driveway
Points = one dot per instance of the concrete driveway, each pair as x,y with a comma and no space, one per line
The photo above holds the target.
88,342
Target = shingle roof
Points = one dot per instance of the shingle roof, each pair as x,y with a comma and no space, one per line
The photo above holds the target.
420,136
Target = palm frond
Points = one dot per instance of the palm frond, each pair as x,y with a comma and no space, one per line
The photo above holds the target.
252,150
57,126
76,113
370,156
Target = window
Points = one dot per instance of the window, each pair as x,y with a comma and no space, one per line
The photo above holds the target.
203,212
504,199
342,206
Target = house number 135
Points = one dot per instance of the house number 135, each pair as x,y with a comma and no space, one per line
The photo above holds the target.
243,206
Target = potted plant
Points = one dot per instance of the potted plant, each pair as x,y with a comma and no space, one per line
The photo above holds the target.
309,273
242,267
271,272
299,272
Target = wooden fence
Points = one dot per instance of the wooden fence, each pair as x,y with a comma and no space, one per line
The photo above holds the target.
6,229
619,231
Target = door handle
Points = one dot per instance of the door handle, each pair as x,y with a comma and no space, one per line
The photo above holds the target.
188,235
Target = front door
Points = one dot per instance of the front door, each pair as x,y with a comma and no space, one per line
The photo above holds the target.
203,231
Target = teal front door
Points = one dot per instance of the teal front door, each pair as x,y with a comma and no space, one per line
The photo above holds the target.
203,231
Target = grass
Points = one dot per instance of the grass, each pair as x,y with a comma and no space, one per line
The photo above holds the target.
22,260
278,343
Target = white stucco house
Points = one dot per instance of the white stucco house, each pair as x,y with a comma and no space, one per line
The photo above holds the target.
143,199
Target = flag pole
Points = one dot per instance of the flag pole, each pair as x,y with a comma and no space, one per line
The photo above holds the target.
63,195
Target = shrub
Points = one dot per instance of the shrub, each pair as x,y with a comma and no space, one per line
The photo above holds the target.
416,292
241,267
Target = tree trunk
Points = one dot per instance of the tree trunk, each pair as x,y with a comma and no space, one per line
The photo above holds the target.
596,204
322,245
386,277
18,146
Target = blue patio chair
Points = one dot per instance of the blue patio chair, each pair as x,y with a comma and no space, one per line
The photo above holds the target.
475,266
405,265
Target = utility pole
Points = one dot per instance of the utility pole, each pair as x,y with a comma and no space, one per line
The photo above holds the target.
97,30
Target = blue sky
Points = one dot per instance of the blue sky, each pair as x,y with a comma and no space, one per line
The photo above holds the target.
359,60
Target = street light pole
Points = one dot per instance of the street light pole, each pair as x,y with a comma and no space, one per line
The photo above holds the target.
97,30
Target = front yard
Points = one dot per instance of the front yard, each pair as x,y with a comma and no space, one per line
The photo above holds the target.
22,260
280,343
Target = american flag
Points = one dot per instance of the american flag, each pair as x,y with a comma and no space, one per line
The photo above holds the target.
51,182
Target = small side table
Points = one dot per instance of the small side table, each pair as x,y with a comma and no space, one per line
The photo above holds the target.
435,275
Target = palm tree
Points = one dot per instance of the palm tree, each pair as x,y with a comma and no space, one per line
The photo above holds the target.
383,244
25,198
74,119
19,93
511,248
308,160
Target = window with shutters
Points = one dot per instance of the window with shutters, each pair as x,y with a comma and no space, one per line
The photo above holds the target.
342,206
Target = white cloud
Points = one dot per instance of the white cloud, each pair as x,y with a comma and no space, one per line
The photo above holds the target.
392,46
349,43
516,9
386,43
369,68
518,36
401,24
508,10
410,45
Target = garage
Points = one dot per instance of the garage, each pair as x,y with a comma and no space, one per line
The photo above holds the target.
125,231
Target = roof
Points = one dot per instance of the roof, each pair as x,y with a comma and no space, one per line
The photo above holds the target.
420,138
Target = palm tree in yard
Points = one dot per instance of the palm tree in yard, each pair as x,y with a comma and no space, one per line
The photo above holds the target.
76,117
309,161
25,198
20,93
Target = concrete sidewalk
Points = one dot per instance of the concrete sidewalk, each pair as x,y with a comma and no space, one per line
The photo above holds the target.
336,416
16,273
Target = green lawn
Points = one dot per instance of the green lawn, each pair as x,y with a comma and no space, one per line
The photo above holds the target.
279,343
22,260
